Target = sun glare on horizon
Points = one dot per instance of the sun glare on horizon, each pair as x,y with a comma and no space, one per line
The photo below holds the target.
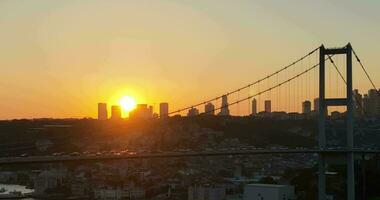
127,103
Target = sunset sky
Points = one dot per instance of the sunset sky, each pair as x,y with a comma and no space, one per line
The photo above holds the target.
60,58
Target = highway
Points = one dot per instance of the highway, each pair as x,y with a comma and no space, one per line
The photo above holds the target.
73,158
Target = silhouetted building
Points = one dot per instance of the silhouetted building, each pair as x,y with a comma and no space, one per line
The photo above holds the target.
102,111
254,106
316,105
224,111
150,110
358,103
306,107
209,109
164,109
366,103
373,103
192,112
142,111
268,106
335,115
115,112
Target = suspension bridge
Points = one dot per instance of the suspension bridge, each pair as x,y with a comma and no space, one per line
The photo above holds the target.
307,78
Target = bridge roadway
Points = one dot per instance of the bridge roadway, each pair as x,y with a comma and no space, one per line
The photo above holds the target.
72,158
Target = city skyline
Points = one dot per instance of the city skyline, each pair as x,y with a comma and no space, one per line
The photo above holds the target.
118,56
364,104
171,99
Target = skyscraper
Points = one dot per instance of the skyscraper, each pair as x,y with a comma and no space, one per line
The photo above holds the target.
150,111
254,106
374,102
115,112
209,109
102,111
306,107
192,112
164,109
268,107
224,111
142,111
366,104
358,103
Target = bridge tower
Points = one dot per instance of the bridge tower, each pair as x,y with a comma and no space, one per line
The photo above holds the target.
323,104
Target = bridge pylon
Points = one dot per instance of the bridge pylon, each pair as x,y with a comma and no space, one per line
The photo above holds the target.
323,105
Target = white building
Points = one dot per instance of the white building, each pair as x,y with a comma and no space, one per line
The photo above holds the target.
268,192
206,193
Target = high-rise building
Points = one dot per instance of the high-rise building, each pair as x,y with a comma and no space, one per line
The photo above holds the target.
142,111
268,106
254,106
306,107
358,103
224,111
150,111
115,112
192,112
374,101
366,104
102,111
316,105
209,109
164,109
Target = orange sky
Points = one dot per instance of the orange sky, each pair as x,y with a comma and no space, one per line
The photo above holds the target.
60,58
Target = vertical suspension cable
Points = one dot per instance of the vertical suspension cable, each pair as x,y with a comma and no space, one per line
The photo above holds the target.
278,95
337,84
259,99
289,97
238,105
294,91
329,71
279,99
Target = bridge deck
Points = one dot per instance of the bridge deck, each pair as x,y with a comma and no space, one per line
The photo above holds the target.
68,158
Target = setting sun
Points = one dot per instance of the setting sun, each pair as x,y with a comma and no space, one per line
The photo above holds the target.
127,103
